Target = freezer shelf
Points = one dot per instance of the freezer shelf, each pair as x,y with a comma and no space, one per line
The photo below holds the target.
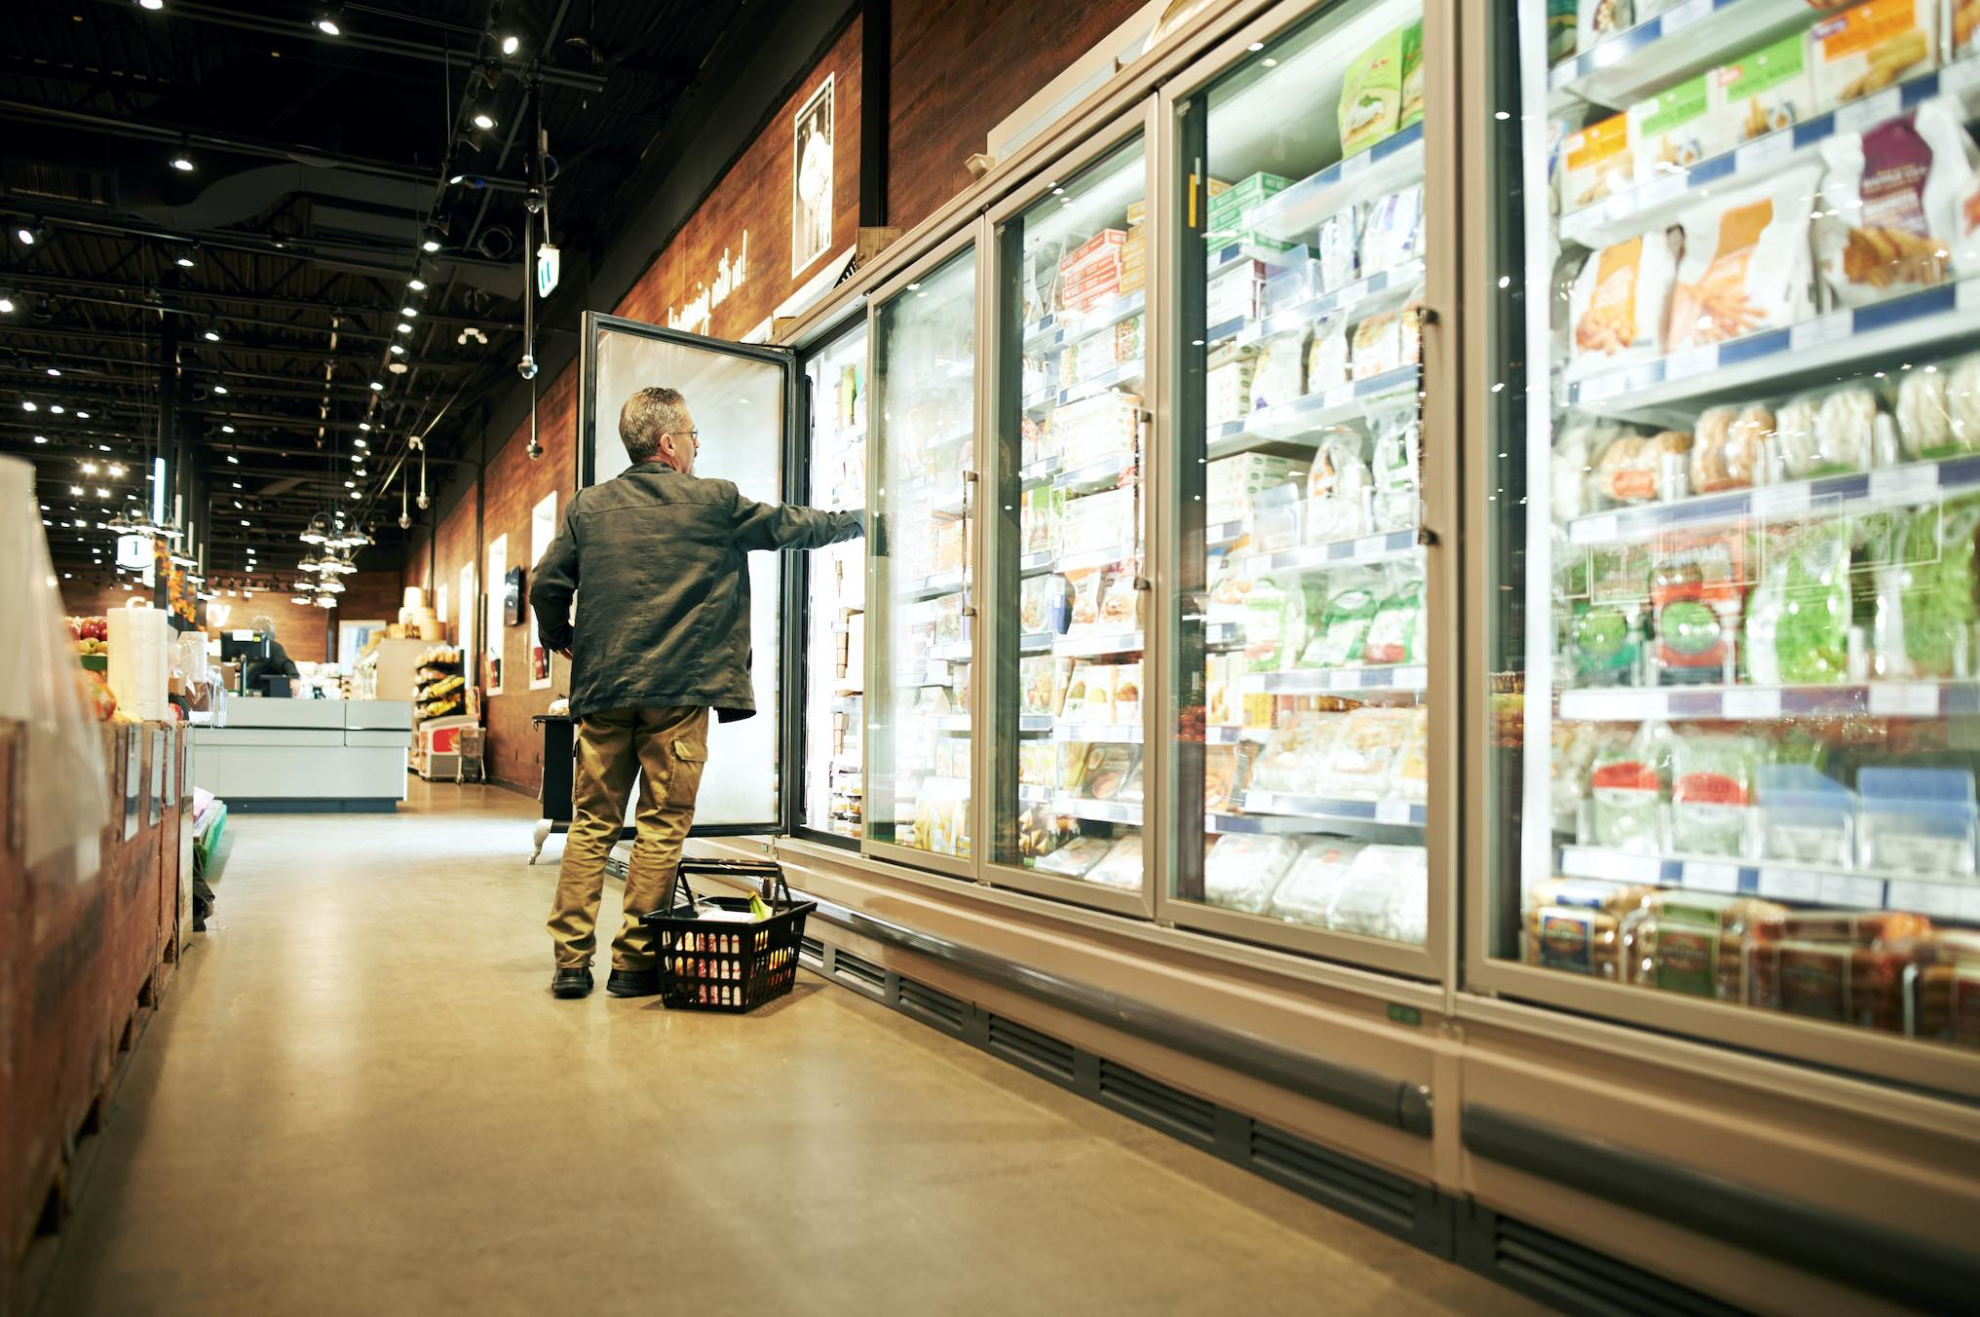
1780,880
1877,699
1684,40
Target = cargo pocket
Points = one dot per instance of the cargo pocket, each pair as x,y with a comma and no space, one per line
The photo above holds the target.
684,783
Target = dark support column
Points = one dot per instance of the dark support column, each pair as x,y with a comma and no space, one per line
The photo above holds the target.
167,445
876,66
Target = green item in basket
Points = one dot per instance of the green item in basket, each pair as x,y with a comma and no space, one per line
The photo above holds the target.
758,911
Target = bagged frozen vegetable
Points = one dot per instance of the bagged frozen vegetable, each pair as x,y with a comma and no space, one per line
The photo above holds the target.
1798,617
1395,634
1925,422
1712,779
1327,356
1279,375
1697,581
1828,434
1619,305
1626,795
1925,606
1337,491
1899,204
1746,266
1392,232
1394,470
1641,468
1343,630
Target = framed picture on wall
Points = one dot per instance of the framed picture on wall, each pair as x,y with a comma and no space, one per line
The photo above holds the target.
512,597
811,179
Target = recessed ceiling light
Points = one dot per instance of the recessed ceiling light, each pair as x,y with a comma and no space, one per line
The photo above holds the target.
359,443
151,4
28,405
28,235
41,438
55,370
76,490
235,460
6,305
83,416
56,407
365,426
405,327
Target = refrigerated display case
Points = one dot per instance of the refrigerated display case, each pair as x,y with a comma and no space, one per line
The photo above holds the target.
744,401
1733,520
922,478
1306,602
1070,537
834,619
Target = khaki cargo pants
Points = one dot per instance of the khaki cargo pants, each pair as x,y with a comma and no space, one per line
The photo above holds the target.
666,750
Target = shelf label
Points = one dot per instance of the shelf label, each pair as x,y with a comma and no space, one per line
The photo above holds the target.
1904,699
1780,502
1667,188
1753,703
1603,387
1959,78
1692,361
1966,294
1790,885
1392,811
1371,546
1969,903
1338,396
1940,899
1355,166
1611,866
1411,678
1868,112
1913,483
1345,679
1823,329
1710,876
1596,530
1614,705
1848,890
1762,150
1679,17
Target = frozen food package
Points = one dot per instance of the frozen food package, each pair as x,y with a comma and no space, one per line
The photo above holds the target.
1294,760
1371,95
1337,642
1337,491
1596,161
1265,644
1948,993
1377,346
1363,757
1409,779
1412,76
1805,816
1120,602
1086,584
1073,859
1038,680
1072,706
1864,986
1121,866
1562,16
1712,780
1038,763
1635,468
1697,942
1098,707
1898,206
1626,801
1925,415
1963,394
1870,47
1033,604
1392,233
1925,607
1396,633
1279,372
1576,925
1916,821
1729,448
1798,615
1746,266
1618,305
1676,128
1397,502
1108,768
1240,872
1598,20
1327,356
1965,22
1766,90
1380,890
1698,580
1127,693
1220,768
1339,247
1307,893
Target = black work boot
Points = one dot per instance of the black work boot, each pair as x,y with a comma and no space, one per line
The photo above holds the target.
633,982
573,982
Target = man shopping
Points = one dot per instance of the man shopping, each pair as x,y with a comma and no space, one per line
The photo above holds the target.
662,637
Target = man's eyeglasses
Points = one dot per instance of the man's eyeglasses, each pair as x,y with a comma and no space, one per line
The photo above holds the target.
692,434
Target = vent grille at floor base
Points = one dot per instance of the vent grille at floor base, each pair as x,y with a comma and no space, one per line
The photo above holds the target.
1151,1100
858,972
937,1006
1572,1278
1029,1048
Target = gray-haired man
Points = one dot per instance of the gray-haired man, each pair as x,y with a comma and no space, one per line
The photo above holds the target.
663,637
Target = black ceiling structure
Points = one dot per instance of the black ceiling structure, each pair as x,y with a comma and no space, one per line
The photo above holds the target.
286,245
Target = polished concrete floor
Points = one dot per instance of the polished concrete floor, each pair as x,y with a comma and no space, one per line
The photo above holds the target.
361,1098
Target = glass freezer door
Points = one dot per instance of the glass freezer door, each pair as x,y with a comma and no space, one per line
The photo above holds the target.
834,670
923,478
1736,621
743,399
1305,608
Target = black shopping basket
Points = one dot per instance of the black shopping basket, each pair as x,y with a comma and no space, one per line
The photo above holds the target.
709,962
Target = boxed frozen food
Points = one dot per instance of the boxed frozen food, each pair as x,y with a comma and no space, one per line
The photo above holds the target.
1862,928
1072,707
1729,448
1392,233
1231,209
1236,292
1396,633
1412,76
1598,20
1241,872
1327,356
1409,779
1873,46
1093,429
1618,305
1121,866
1034,611
1899,204
1275,518
1766,90
1384,894
1120,599
1095,249
1038,681
1279,370
1636,468
1916,820
1361,763
1339,247
1294,760
1576,925
1307,893
1041,830
1712,780
1377,347
1596,161
1746,265
1107,769
1038,763
1697,582
1227,385
1372,94
1220,777
1697,942
1805,816
1099,523
1127,692
1676,128
1561,19
1073,859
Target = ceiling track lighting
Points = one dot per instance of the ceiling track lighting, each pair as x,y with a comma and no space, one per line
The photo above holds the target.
330,20
28,235
424,501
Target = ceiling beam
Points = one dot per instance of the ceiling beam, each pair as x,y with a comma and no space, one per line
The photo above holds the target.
152,298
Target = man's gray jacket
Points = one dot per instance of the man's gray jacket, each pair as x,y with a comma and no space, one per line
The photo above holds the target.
664,614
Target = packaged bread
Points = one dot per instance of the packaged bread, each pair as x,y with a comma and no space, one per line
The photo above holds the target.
1746,266
1863,50
1898,204
1766,90
1596,161
1619,304
1696,942
1676,128
1729,448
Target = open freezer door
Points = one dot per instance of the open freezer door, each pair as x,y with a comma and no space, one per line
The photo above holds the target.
745,400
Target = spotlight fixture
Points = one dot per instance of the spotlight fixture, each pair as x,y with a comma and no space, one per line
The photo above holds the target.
182,162
329,20
482,120
29,234
6,304
211,335
153,5
511,44
417,284
409,311
184,262
378,386
398,349
429,239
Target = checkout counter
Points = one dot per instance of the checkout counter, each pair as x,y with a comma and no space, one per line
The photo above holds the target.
297,756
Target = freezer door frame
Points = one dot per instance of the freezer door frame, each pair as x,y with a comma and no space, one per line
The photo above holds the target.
991,621
1884,1058
970,237
591,324
1434,961
797,597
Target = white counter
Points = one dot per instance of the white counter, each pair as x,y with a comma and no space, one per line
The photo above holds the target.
306,755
